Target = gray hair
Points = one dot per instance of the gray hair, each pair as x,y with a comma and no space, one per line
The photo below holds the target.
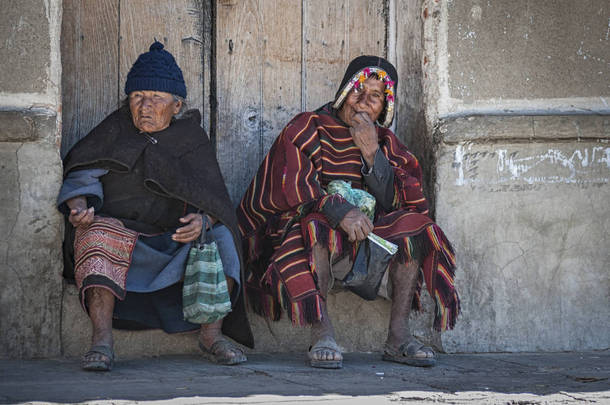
183,105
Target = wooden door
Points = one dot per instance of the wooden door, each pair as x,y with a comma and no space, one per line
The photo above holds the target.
275,59
100,41
249,65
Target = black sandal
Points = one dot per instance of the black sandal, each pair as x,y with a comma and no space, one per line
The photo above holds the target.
98,365
218,353
326,343
406,354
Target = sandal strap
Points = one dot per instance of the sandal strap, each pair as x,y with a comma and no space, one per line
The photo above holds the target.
105,350
223,346
412,347
326,343
409,348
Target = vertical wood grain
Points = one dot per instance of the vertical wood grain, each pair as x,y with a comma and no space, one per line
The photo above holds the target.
409,49
89,53
178,25
207,62
262,78
281,66
335,33
258,82
239,60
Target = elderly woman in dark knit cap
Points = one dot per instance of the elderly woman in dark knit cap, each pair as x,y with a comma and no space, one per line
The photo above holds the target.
134,192
295,228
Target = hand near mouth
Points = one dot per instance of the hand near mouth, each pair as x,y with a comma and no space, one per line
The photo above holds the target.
364,133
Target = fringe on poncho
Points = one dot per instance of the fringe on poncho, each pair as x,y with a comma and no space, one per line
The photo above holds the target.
280,220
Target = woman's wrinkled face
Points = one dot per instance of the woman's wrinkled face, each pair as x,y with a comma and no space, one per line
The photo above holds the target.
369,98
152,111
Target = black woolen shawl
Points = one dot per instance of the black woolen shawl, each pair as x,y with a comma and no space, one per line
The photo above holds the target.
182,165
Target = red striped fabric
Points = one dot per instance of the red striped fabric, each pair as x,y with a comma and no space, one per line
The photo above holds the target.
280,219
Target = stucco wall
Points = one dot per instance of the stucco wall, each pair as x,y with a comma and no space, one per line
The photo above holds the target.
30,174
522,56
525,200
522,188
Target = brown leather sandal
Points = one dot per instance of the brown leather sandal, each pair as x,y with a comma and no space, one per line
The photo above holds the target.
329,344
98,365
406,354
220,350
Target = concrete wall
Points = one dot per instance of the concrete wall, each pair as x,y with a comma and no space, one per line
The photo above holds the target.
511,122
360,325
518,95
521,56
30,175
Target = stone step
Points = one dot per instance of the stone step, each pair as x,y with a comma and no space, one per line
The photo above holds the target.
361,326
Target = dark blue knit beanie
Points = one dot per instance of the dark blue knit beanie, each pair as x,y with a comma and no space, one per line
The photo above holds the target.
156,70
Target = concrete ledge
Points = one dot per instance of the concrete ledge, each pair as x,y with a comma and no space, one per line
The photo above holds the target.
361,326
25,126
524,128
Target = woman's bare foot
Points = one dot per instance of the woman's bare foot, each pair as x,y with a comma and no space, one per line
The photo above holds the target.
324,351
216,347
100,356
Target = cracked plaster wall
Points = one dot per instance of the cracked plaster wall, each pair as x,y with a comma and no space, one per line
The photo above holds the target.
30,175
528,217
517,93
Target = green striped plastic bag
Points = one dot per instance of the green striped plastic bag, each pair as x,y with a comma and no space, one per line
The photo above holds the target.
205,294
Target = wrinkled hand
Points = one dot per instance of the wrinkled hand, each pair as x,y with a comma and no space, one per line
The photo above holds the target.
191,230
356,224
364,134
80,215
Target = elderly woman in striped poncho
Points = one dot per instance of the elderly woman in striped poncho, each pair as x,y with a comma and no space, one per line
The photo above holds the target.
297,235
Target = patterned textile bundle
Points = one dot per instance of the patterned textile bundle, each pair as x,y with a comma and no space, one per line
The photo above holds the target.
102,255
205,294
280,218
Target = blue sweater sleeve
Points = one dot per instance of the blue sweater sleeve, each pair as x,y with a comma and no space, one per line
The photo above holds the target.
82,183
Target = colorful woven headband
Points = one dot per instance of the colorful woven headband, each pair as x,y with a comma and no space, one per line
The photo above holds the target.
356,82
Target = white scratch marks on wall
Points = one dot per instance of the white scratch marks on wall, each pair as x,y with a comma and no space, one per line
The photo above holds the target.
524,168
550,166
606,158
476,13
458,158
586,54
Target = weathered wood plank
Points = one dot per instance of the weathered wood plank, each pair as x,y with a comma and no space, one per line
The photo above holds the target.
239,92
336,32
409,118
89,54
281,66
177,24
206,32
366,29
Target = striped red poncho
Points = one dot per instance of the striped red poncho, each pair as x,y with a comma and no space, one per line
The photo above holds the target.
280,219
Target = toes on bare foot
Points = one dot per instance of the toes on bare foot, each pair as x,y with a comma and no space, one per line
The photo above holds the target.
327,355
97,357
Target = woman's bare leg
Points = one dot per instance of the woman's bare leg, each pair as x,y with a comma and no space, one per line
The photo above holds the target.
324,328
404,282
100,303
